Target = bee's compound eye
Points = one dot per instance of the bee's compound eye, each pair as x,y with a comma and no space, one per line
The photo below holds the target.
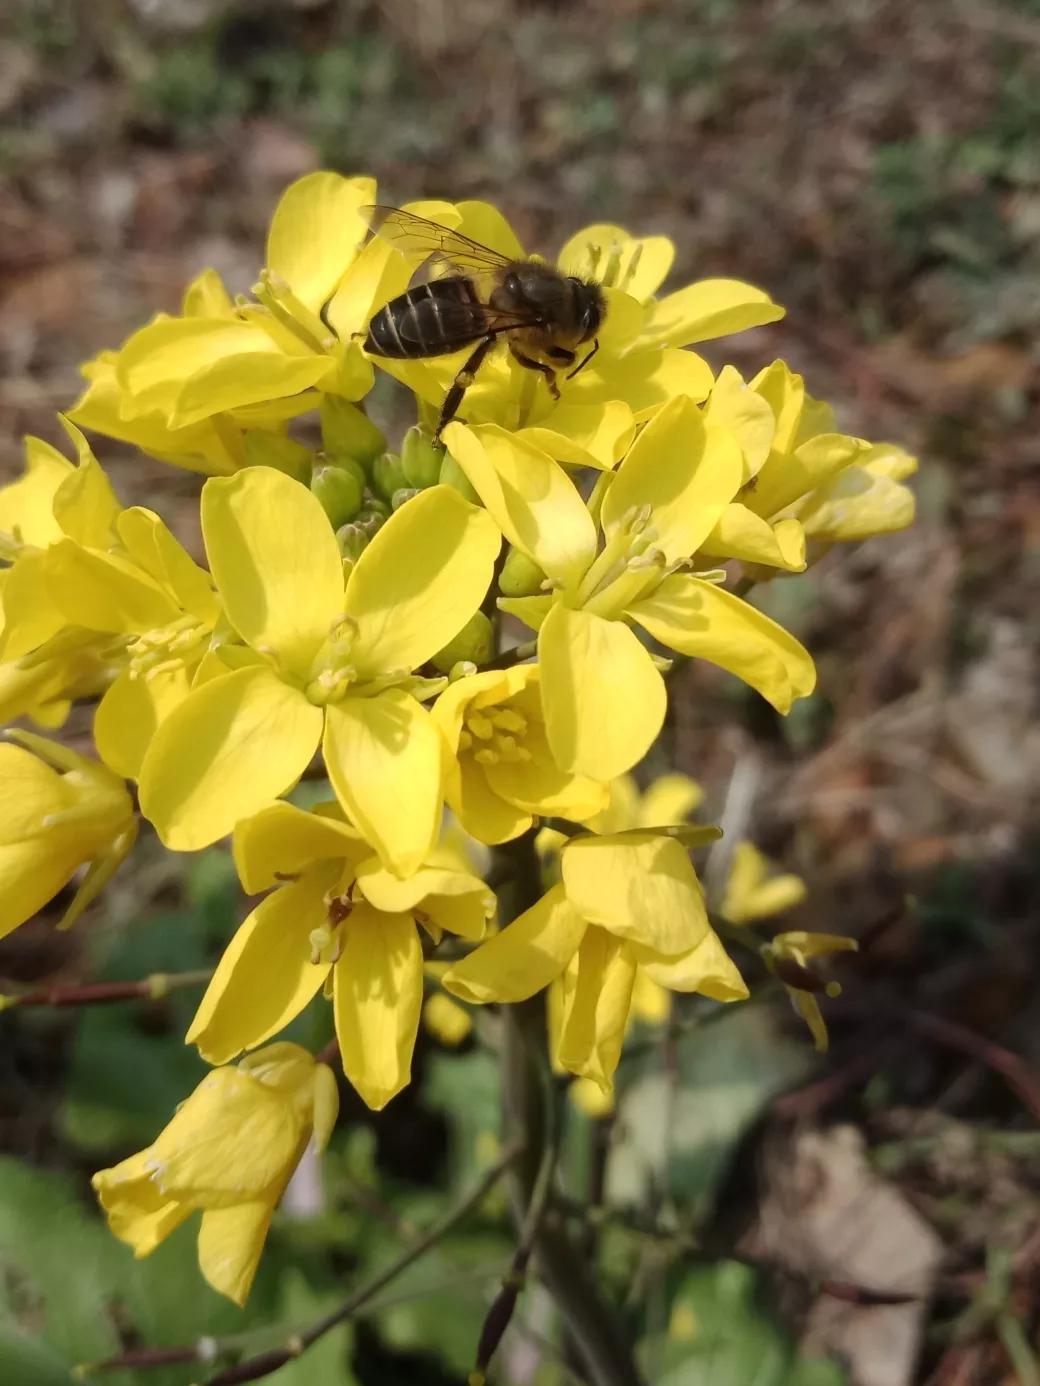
590,318
512,285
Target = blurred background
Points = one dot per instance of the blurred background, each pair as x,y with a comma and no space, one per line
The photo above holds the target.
870,1217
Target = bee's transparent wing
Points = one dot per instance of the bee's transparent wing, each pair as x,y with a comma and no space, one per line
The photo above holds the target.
439,250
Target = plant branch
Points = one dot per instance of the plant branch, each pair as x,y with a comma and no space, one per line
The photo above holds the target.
152,988
264,1363
516,655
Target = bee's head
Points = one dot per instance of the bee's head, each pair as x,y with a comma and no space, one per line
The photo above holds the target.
591,307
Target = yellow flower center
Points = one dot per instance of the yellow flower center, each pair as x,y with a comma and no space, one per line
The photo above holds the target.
493,735
178,645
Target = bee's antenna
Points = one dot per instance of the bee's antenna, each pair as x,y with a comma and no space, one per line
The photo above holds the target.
584,361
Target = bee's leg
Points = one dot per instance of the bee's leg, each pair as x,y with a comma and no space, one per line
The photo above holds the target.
461,384
542,368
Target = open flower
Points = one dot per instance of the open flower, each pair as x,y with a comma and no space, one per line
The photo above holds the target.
228,1152
502,772
337,919
754,891
322,663
602,694
625,901
59,811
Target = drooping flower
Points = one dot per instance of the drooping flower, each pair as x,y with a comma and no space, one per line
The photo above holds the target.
321,663
59,812
626,901
602,694
789,956
228,1152
501,772
335,918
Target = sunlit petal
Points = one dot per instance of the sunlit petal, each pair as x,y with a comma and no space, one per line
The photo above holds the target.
525,957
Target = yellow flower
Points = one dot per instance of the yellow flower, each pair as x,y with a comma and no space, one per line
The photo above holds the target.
322,663
602,694
502,772
625,902
789,956
668,800
639,366
752,892
336,919
58,812
445,1018
255,364
228,1152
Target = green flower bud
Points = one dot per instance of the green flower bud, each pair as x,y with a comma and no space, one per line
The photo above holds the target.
339,489
274,450
372,516
347,430
387,475
453,475
474,643
404,494
520,576
421,457
352,541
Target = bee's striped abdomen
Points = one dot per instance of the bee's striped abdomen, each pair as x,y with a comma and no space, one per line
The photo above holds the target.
430,319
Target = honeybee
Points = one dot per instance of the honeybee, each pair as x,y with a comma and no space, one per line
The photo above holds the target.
475,294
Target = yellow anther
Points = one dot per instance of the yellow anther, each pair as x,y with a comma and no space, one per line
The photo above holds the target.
485,756
507,719
481,727
465,740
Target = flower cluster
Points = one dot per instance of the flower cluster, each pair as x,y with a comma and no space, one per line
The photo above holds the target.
347,625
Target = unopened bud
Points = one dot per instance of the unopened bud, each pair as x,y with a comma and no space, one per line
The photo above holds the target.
347,430
400,497
372,516
421,458
520,576
273,450
339,489
474,643
452,475
387,475
352,541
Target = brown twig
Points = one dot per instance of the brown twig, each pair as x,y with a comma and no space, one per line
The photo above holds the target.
152,988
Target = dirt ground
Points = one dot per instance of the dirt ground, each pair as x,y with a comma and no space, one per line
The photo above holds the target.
875,166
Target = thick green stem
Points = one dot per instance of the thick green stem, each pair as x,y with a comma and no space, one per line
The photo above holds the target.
526,1096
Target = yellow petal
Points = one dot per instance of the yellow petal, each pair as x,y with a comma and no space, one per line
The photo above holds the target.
709,308
29,789
640,886
531,611
651,1002
30,615
230,1244
706,968
669,799
265,978
584,435
623,810
525,957
637,264
530,497
230,747
27,505
644,379
393,895
275,561
103,591
485,223
446,1019
590,1099
384,759
131,712
786,477
596,1011
856,505
324,1105
734,406
603,700
686,472
740,533
377,997
282,841
31,874
137,1212
316,231
419,581
151,545
699,619
484,814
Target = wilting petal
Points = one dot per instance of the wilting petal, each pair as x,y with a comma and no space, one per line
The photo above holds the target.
265,977
316,231
699,619
740,533
530,497
282,840
229,748
707,968
378,991
383,755
596,1008
709,308
524,957
275,561
684,471
131,712
640,886
420,580
230,1243
603,699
